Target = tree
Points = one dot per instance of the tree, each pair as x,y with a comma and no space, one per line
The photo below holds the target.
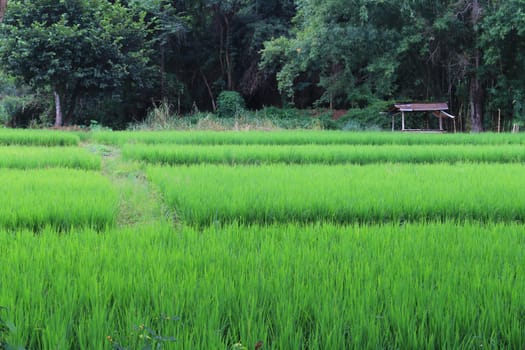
359,51
120,56
444,49
503,42
258,22
476,95
344,48
213,45
74,48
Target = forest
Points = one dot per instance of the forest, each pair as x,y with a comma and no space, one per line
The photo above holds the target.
79,62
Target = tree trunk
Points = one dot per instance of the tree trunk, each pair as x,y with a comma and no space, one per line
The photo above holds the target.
476,89
3,8
213,105
476,104
162,72
221,47
227,54
58,110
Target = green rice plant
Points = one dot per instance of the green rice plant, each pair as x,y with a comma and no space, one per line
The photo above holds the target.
83,135
318,286
61,198
208,194
301,137
37,137
28,157
323,154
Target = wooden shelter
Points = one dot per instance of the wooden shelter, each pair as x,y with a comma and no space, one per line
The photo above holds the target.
436,109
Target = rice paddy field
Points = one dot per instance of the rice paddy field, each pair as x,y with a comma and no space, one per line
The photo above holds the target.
38,138
327,154
252,240
31,157
300,138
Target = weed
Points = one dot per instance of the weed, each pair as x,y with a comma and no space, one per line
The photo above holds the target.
145,337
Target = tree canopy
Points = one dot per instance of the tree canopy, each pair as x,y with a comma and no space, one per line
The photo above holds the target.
112,60
74,48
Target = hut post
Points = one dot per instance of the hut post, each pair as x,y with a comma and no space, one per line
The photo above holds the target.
402,120
440,122
392,122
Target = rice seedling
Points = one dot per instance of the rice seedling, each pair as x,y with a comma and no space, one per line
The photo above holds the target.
423,285
28,157
37,137
322,154
208,194
301,137
61,198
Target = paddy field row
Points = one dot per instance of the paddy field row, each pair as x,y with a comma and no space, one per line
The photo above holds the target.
321,154
295,137
204,195
60,198
318,286
38,137
33,157
209,194
298,137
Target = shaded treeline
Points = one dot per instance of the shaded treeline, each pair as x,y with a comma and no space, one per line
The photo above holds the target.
111,61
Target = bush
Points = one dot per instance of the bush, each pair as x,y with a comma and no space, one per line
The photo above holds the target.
7,106
292,118
229,104
368,118
281,113
23,111
159,117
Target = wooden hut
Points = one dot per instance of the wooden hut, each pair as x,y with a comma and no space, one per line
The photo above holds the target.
436,109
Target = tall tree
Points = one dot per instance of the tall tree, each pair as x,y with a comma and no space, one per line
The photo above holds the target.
444,47
219,48
74,48
344,48
360,50
476,86
256,23
503,42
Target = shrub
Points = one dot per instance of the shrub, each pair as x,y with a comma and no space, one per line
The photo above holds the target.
159,117
24,111
281,113
368,118
229,104
292,118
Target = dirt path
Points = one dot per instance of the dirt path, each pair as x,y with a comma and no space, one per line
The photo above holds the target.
140,202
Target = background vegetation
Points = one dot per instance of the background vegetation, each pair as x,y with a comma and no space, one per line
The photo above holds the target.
108,63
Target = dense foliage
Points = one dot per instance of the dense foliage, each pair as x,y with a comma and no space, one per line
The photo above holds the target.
110,61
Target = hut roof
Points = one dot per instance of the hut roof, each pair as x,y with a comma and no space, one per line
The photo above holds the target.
421,107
